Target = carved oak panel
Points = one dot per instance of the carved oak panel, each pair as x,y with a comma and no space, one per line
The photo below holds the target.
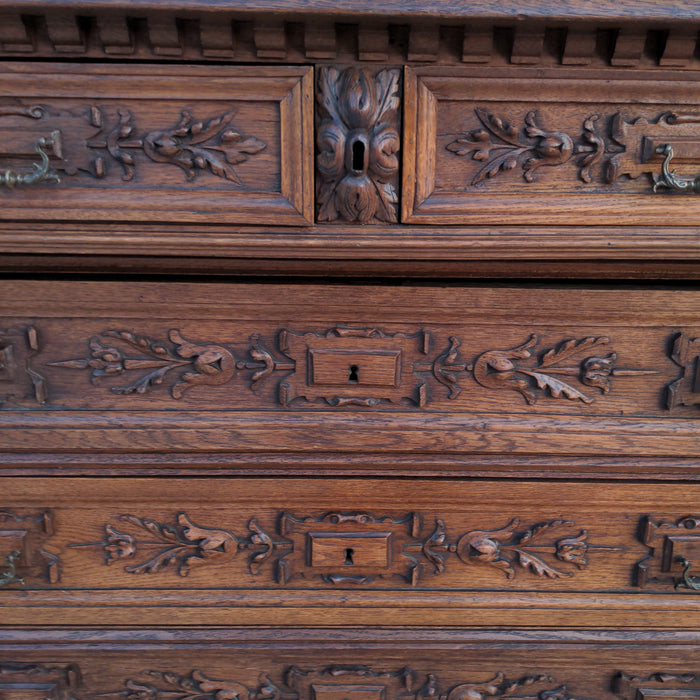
336,668
429,363
364,550
541,152
182,144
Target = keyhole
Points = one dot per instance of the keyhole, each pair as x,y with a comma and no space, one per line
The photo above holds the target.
358,155
354,378
348,556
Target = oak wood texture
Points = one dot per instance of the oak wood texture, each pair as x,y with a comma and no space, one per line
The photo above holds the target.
304,663
149,368
177,144
129,551
533,9
498,150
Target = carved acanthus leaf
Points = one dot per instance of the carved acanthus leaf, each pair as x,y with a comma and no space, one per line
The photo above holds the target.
358,142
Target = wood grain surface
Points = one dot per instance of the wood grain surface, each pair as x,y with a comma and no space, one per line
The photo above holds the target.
473,370
160,144
305,663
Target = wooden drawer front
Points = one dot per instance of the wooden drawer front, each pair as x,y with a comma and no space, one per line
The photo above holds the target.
216,145
308,666
542,150
146,545
449,370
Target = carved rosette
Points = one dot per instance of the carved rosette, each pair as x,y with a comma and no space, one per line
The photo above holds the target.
358,141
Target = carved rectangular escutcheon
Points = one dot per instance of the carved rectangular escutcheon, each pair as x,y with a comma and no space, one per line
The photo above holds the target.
353,366
337,691
343,367
680,545
350,549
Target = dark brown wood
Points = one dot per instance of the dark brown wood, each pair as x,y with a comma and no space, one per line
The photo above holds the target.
477,150
136,147
395,544
553,10
400,486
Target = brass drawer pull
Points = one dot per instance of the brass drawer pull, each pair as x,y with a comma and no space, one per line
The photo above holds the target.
42,172
10,574
668,179
688,581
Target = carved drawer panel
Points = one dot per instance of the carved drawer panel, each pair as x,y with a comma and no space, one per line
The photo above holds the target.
217,145
545,149
306,665
94,368
437,552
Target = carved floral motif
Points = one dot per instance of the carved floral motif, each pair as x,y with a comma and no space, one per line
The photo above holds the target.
195,145
354,682
358,141
610,146
501,369
501,146
210,364
329,366
383,547
505,547
191,144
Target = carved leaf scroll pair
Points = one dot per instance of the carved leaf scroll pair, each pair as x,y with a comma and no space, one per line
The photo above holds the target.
607,147
550,549
565,371
354,682
195,145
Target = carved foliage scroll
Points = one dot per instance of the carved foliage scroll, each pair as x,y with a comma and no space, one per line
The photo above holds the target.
606,148
351,682
356,682
348,548
87,140
358,141
353,366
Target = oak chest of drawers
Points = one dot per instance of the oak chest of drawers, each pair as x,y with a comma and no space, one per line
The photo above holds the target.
349,353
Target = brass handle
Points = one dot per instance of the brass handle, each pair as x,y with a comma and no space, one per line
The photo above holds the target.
10,575
687,581
668,178
41,173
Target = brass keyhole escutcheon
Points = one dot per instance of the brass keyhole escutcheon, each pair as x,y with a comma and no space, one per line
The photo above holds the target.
349,552
353,378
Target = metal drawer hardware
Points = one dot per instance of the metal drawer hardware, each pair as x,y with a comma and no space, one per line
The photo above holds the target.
688,581
10,574
42,172
668,178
